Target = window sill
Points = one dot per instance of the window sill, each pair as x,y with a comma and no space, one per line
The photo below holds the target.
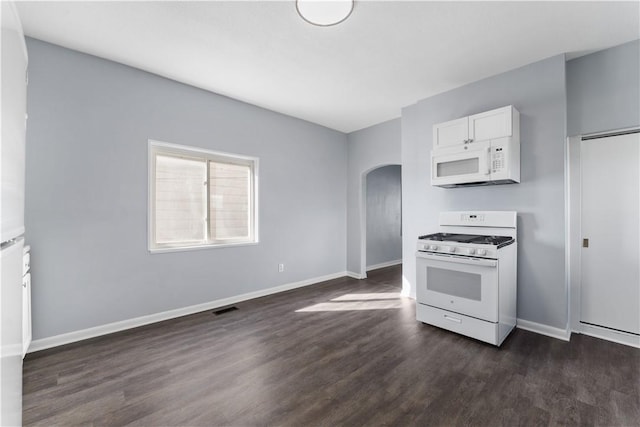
200,247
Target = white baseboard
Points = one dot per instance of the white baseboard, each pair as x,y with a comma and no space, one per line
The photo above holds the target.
539,328
609,335
355,275
70,337
384,264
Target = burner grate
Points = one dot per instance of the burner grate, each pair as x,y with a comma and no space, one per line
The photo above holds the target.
468,238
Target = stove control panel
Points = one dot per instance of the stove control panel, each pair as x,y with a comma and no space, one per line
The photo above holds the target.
459,249
472,218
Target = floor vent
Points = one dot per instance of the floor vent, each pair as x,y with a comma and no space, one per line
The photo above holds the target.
223,310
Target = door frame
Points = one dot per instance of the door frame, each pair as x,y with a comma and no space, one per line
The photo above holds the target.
573,216
362,274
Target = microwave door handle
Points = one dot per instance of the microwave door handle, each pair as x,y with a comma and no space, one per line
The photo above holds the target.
488,161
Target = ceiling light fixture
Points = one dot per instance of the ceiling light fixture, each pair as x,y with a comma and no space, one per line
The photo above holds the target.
324,13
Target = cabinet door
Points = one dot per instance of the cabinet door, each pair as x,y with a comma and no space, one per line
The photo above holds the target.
450,134
491,124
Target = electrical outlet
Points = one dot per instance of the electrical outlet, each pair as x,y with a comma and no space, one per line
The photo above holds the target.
280,268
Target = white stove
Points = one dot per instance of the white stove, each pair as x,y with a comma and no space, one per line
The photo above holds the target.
466,274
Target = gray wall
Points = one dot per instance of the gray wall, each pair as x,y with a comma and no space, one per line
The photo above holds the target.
86,193
538,92
603,90
368,149
384,198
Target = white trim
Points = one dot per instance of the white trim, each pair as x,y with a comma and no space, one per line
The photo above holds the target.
363,224
607,133
198,247
384,264
573,229
539,328
189,149
355,275
109,328
609,335
567,230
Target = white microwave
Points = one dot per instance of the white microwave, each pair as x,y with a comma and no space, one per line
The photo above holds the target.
495,161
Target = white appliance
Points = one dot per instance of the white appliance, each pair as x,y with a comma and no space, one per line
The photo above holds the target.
26,300
467,275
482,149
13,93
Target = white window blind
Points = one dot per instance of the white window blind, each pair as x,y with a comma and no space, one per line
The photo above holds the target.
200,198
181,199
229,204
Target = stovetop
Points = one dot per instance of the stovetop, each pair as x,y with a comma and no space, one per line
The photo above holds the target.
469,238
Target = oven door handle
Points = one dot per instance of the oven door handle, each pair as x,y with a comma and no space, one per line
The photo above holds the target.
458,259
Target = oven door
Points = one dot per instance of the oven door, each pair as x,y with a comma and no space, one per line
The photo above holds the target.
462,166
460,284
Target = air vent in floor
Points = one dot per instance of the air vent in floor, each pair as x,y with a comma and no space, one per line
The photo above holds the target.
223,310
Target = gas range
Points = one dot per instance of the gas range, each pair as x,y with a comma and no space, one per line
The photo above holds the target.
466,275
480,245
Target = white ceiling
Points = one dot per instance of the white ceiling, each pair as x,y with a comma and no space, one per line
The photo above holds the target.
387,55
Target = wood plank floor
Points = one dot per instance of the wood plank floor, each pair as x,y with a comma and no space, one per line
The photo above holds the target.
345,352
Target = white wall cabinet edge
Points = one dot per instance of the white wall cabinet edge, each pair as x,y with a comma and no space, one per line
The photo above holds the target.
493,124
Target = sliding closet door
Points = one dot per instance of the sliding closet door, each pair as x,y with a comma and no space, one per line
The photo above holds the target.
610,220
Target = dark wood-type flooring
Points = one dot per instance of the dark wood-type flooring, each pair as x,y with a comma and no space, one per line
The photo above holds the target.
347,359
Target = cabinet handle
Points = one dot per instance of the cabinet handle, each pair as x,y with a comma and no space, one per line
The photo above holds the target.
452,319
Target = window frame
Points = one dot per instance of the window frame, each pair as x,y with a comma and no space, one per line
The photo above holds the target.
154,148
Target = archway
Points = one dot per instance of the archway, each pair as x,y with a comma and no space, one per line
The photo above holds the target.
381,218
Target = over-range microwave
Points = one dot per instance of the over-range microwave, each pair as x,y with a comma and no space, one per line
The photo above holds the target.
489,162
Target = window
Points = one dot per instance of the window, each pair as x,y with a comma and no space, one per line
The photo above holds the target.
200,198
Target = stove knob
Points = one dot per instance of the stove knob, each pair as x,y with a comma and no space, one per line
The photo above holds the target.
425,247
452,249
433,247
482,252
471,251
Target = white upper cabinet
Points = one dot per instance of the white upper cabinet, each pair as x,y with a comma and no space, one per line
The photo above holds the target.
494,124
451,133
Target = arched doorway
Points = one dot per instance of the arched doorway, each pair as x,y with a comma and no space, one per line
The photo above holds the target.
382,218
